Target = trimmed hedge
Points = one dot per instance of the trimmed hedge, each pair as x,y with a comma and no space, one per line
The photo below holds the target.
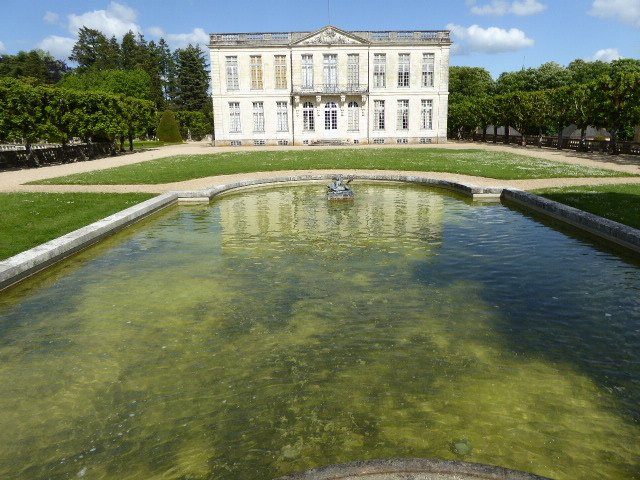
168,128
40,113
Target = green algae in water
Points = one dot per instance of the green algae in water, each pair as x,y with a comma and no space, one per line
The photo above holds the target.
273,332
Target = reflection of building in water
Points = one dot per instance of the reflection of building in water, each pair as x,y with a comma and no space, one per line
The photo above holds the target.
377,214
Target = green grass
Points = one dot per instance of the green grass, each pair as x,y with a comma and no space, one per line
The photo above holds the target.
499,165
620,203
29,219
139,144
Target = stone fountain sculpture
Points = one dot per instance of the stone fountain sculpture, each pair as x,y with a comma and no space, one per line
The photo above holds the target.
339,190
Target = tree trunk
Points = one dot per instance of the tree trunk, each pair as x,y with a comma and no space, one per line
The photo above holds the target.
560,138
31,159
484,134
130,142
64,151
613,144
122,143
495,134
505,140
112,147
583,140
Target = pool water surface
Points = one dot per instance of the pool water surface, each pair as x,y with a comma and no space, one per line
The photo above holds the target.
272,332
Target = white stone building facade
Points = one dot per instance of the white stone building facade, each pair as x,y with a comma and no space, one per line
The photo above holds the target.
330,87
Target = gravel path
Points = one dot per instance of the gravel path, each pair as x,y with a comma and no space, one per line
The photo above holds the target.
15,180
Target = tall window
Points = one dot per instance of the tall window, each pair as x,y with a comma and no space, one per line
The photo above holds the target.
331,73
353,70
354,117
256,72
427,114
281,71
379,70
331,116
307,71
232,73
283,117
234,117
308,118
378,114
403,115
258,116
403,69
428,69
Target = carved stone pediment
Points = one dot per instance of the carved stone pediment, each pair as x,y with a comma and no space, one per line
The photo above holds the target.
330,36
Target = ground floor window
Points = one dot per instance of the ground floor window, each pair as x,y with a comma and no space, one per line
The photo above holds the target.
283,117
258,116
378,114
427,114
331,116
403,114
308,117
354,116
234,117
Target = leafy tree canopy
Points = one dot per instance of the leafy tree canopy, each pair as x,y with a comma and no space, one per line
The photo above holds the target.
35,64
131,83
469,82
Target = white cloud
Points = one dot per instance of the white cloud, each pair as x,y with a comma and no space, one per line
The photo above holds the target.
59,47
179,40
2,48
475,39
116,20
625,11
51,17
607,55
156,32
504,7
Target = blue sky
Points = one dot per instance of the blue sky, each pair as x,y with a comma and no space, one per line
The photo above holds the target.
499,35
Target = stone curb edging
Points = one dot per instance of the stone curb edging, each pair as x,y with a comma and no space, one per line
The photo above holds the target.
459,187
610,230
423,469
24,264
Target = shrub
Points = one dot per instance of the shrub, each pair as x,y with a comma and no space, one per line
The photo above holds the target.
195,122
168,128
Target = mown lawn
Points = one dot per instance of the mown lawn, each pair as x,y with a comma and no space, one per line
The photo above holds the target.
616,202
498,165
29,219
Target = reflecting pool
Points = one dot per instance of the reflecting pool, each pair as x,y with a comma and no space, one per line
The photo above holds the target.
272,332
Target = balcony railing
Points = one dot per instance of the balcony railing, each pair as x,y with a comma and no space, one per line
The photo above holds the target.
330,88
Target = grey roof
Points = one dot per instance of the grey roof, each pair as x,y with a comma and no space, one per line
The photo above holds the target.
384,37
512,131
572,131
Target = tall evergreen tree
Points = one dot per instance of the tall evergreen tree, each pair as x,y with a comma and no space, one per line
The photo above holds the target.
89,48
168,68
129,51
192,79
153,66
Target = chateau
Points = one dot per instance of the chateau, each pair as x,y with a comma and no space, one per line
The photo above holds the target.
330,87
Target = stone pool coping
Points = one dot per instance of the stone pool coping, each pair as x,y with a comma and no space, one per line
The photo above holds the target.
25,264
414,468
